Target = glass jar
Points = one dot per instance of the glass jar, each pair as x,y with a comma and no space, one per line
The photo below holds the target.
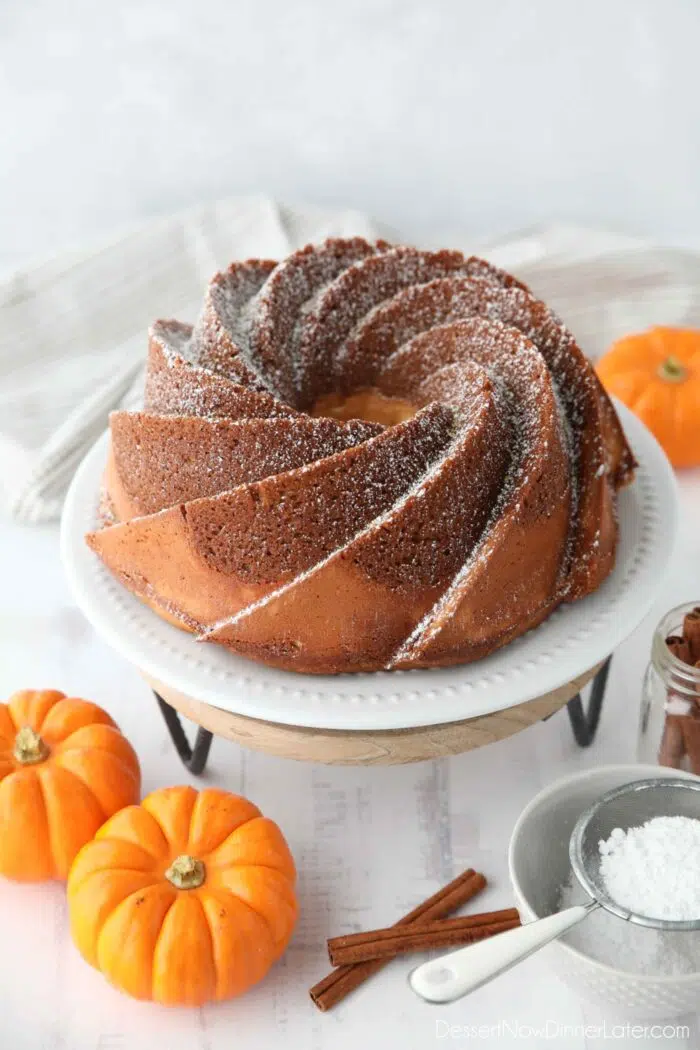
669,732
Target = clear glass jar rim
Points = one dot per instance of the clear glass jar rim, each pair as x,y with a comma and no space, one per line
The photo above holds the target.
684,678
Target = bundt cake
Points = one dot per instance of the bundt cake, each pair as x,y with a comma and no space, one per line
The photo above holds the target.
364,457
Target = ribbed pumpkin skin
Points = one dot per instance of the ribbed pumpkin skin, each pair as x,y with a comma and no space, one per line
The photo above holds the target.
184,946
657,374
50,806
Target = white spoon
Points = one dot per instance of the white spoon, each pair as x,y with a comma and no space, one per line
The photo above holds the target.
456,974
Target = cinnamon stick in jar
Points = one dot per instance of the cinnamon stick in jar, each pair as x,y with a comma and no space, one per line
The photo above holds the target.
672,747
691,733
680,647
691,635
681,736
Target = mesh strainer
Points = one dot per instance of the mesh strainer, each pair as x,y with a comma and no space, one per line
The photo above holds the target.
454,975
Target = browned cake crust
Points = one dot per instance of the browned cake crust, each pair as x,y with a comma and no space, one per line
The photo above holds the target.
479,493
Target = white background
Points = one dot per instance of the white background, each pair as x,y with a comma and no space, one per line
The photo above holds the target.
480,117
484,115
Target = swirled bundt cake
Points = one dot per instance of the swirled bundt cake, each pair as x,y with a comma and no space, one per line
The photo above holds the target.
364,457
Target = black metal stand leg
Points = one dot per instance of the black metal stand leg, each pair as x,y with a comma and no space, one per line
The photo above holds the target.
585,723
193,758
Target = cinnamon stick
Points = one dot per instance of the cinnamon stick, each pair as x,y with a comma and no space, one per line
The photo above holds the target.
345,979
691,634
681,736
680,647
691,734
672,747
420,937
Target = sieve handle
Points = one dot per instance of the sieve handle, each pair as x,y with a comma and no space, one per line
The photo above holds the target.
451,976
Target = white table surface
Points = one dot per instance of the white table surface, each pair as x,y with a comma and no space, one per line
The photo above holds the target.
370,843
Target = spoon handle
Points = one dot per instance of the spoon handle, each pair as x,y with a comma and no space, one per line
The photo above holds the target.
451,976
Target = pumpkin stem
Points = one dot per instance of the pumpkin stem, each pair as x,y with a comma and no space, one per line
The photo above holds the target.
672,370
29,747
186,873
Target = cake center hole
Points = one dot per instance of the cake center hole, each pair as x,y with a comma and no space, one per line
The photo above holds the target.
369,404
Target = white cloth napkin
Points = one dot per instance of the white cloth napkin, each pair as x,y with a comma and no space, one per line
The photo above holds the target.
73,329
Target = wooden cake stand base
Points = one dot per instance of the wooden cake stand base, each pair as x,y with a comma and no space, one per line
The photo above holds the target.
381,747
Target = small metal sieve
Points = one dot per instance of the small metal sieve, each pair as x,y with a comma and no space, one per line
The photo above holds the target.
454,975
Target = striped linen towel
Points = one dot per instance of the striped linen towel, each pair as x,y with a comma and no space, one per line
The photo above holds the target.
73,329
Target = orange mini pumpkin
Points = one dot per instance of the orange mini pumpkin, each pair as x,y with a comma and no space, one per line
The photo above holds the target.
64,769
657,374
188,897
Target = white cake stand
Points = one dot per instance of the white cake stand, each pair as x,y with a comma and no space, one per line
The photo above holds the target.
394,716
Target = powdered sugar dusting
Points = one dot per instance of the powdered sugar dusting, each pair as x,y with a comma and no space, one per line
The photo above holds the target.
281,310
537,454
515,453
221,338
176,385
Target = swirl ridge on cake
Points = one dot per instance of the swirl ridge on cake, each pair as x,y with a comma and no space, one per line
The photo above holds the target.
364,457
